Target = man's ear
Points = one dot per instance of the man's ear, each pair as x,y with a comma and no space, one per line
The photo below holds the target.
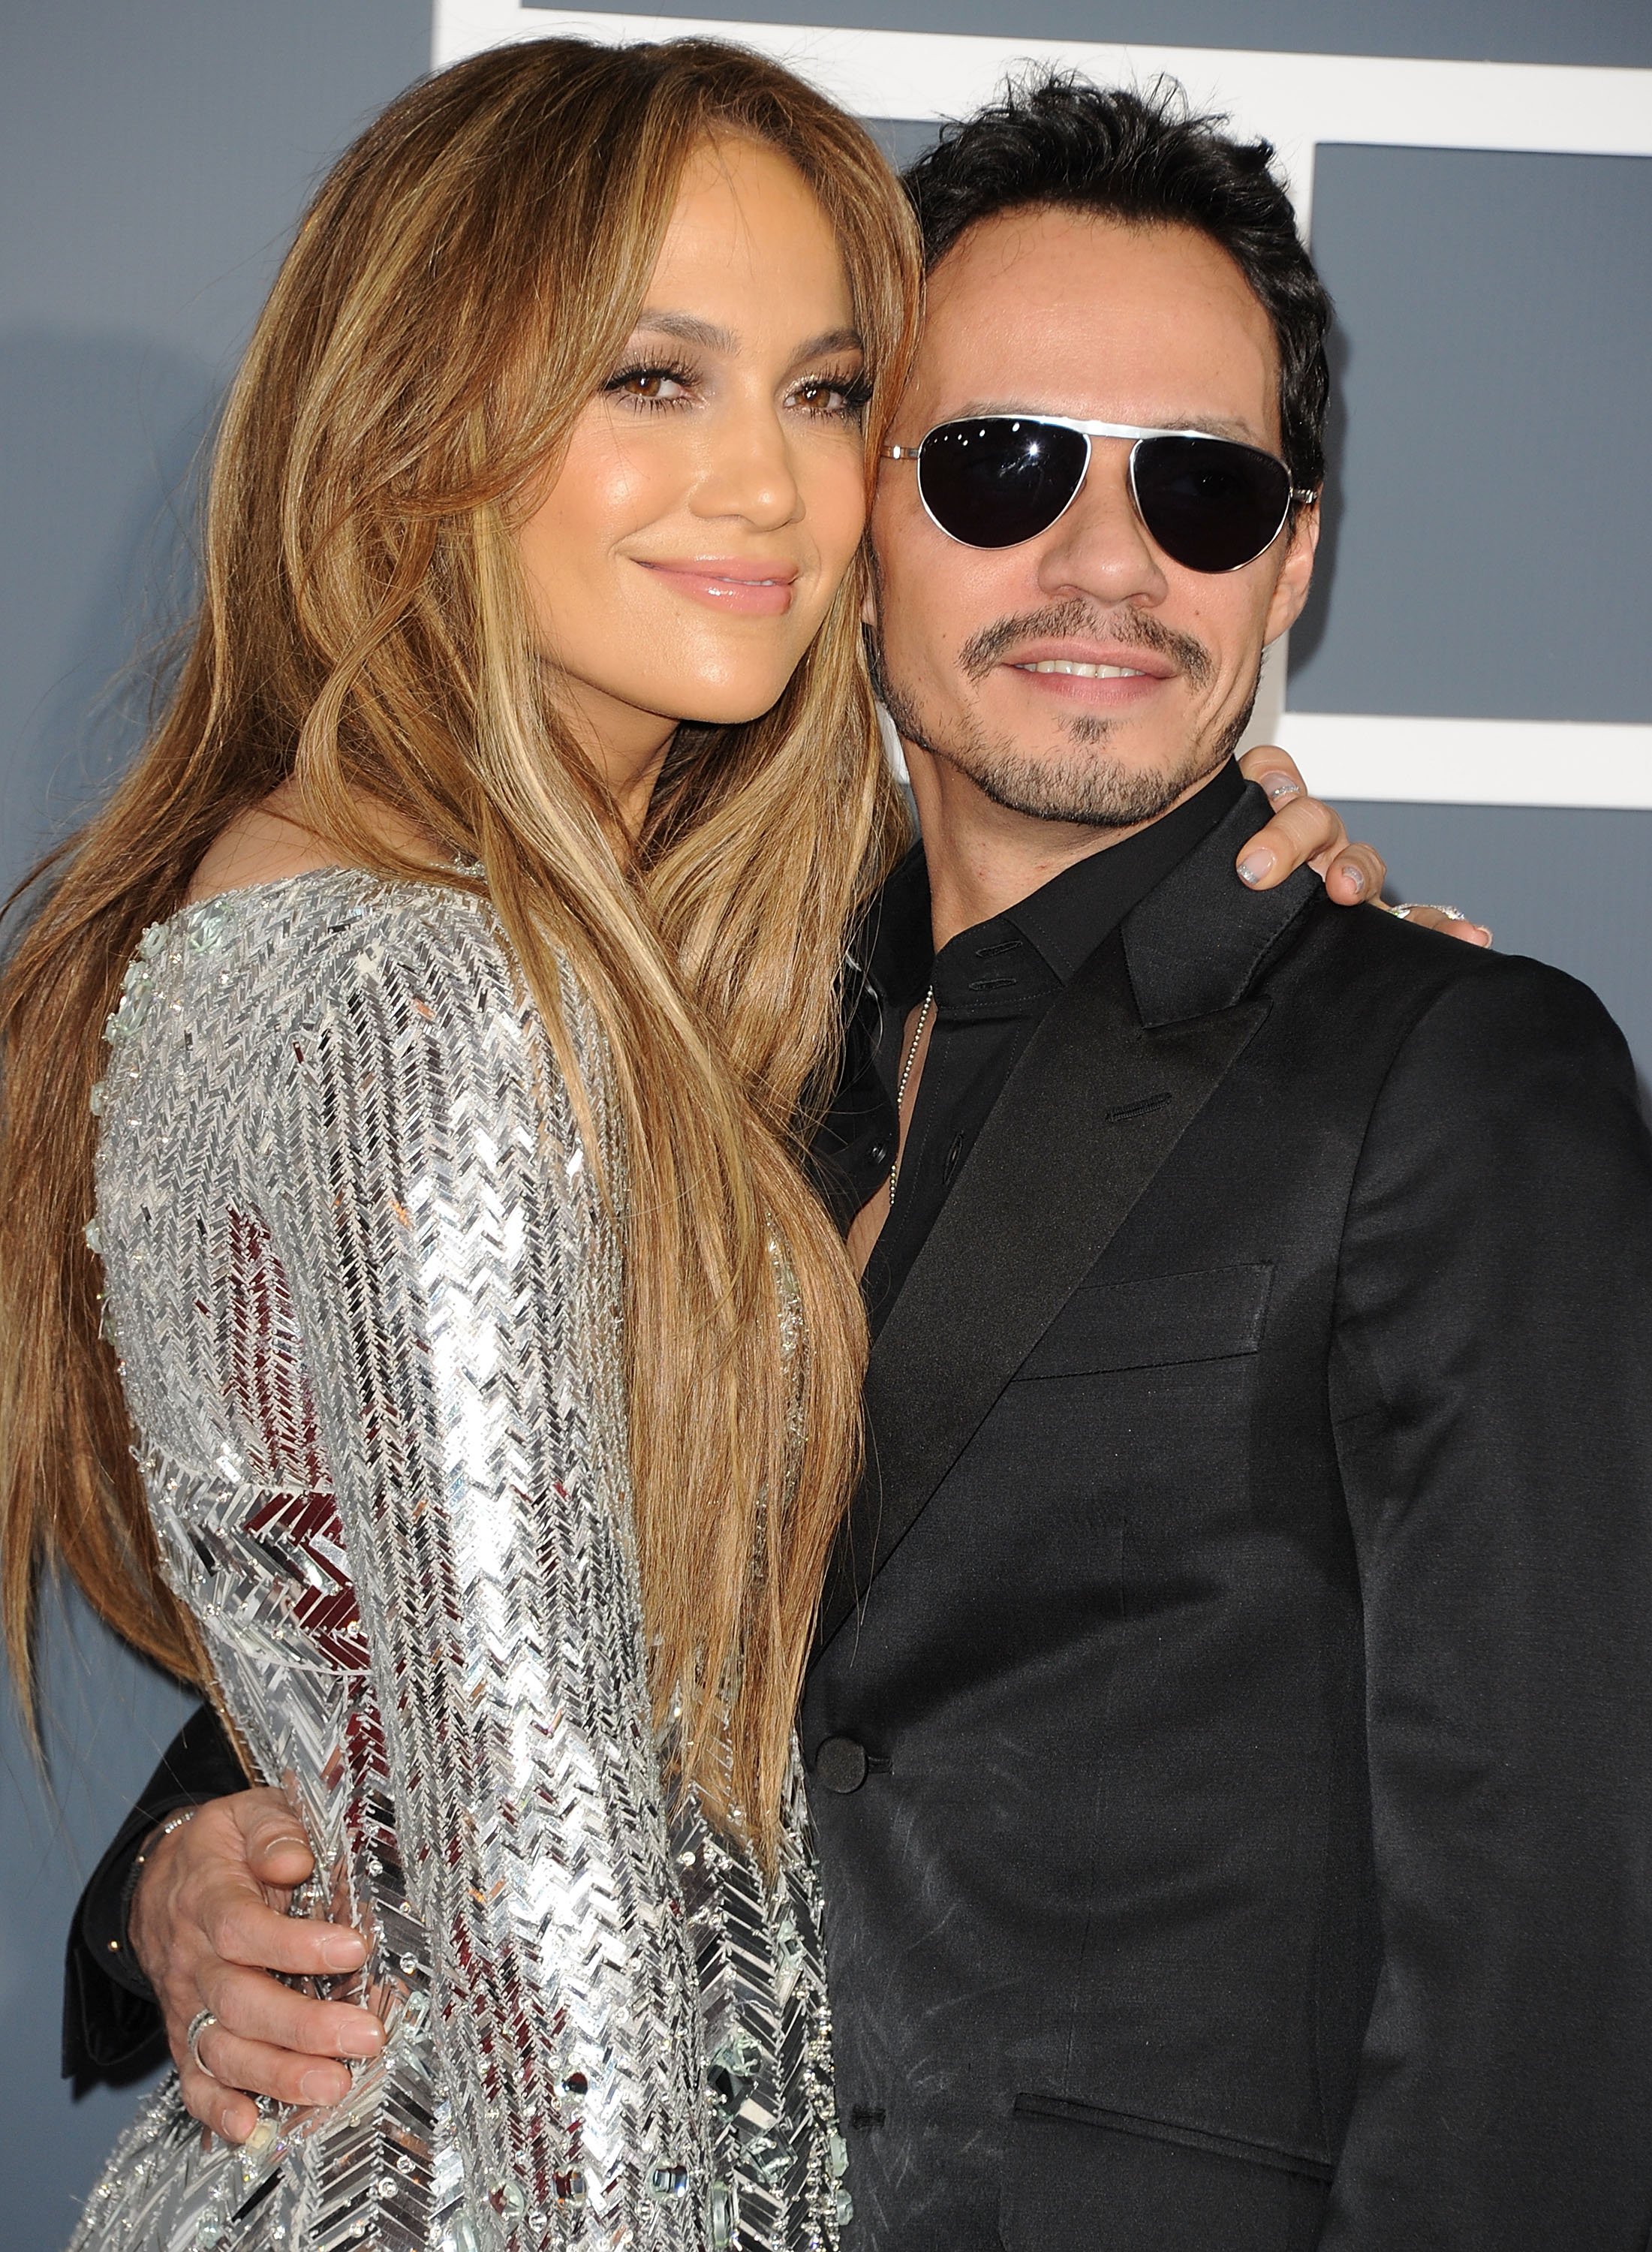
869,603
1296,575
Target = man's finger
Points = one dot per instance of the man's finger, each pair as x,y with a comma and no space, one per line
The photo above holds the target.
254,2007
225,2110
277,1851
239,1927
258,2069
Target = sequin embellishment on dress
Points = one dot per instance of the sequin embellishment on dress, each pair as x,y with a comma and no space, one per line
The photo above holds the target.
366,1298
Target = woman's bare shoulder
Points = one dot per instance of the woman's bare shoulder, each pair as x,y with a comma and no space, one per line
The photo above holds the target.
270,841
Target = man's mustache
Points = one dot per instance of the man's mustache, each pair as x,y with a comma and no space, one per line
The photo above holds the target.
1127,628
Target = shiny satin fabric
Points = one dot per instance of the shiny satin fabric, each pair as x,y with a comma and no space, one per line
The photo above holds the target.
366,1297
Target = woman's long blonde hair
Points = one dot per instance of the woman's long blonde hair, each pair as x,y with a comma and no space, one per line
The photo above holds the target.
464,281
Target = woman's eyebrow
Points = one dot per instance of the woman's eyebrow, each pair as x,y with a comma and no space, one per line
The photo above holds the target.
688,330
831,340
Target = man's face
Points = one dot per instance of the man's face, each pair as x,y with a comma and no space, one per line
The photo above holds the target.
1068,314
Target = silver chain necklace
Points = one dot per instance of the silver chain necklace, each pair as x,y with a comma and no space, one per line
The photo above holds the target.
901,1091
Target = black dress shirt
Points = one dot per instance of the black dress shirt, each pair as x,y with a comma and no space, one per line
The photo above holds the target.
992,984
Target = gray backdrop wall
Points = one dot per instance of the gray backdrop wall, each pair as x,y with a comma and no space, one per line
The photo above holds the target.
1490,557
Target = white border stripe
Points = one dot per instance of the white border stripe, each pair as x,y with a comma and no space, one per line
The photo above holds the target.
1296,102
1427,762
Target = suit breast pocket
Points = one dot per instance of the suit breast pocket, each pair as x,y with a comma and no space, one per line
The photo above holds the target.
1080,2178
1157,1322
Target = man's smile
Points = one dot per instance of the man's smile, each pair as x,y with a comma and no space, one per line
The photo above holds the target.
1081,672
1099,674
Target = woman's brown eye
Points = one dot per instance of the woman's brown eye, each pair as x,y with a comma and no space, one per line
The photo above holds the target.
648,385
841,396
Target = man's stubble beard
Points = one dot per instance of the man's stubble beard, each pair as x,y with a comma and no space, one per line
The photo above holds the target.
1082,785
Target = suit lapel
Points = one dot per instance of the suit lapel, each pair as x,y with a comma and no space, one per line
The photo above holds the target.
1122,1065
1107,1100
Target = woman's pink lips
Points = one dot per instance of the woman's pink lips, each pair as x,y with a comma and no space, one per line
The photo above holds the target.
749,590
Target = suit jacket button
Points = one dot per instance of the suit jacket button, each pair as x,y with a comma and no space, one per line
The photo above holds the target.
840,1765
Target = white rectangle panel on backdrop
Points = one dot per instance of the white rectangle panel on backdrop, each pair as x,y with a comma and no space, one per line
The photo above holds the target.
1296,102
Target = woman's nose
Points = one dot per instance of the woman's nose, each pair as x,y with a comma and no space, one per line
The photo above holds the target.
749,472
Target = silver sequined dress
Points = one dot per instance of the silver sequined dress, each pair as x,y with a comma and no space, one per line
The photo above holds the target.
366,1295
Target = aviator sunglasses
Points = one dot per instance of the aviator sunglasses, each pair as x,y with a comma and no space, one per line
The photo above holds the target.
1210,504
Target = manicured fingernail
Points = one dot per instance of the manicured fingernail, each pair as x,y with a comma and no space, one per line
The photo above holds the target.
361,2040
325,2086
1281,788
260,2138
342,1952
1255,865
282,1843
1486,928
1353,875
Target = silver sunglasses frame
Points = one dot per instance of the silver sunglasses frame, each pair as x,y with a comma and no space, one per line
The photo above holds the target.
1087,431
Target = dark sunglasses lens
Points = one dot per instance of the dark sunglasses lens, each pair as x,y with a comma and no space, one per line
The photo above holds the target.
1211,504
997,481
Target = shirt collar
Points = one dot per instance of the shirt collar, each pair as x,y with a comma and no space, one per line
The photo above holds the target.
1065,918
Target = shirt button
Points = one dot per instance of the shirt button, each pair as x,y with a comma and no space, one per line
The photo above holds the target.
840,1765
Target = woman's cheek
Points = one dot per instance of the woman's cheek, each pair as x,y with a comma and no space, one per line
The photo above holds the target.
840,517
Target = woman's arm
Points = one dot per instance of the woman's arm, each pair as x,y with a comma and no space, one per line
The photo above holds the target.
456,1287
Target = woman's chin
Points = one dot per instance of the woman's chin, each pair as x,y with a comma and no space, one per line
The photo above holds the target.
730,707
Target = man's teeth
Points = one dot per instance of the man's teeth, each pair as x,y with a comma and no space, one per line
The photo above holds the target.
1084,671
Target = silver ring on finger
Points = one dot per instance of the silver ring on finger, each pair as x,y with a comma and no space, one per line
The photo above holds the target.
1452,915
199,2024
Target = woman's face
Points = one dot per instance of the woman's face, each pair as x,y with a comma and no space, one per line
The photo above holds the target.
712,495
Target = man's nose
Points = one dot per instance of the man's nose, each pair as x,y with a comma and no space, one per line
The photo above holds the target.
1100,547
748,472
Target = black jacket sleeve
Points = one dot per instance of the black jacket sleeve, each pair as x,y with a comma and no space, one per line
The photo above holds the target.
1491,1386
111,2026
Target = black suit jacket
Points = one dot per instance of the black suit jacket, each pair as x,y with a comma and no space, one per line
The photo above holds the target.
1231,1731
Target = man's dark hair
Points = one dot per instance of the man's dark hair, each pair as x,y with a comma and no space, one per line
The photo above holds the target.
1055,140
